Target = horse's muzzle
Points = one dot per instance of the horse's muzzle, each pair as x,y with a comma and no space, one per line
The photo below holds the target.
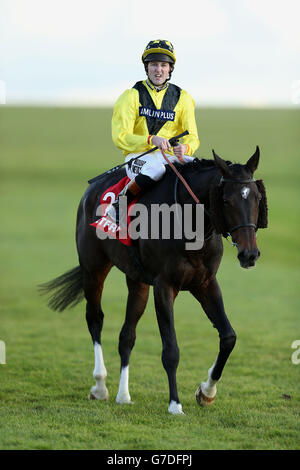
248,258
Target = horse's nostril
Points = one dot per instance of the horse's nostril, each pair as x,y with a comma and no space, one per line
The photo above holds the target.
254,255
247,255
243,255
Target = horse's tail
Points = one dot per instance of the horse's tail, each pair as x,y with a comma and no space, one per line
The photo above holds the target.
67,290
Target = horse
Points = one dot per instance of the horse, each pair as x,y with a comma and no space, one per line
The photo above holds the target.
235,205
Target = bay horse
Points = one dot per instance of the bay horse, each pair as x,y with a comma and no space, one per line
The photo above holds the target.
235,205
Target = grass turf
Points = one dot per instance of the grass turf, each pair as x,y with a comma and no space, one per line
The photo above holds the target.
47,155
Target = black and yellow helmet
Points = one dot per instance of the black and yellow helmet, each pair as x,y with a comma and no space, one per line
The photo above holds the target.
161,50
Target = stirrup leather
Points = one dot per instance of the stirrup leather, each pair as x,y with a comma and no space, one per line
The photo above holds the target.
114,211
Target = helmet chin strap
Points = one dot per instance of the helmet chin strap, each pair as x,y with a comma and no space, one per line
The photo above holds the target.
160,87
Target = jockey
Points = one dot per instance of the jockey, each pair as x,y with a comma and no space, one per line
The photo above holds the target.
149,114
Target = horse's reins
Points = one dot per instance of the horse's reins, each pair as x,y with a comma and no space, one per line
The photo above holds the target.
180,177
189,189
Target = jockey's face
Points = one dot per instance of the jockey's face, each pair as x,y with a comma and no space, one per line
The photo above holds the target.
158,72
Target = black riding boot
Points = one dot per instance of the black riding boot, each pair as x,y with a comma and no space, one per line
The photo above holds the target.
139,184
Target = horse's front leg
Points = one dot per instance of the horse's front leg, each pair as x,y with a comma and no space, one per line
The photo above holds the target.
164,296
210,297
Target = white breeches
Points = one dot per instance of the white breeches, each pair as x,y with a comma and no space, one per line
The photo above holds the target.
152,165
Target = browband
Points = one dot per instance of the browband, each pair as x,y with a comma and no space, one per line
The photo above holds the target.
227,180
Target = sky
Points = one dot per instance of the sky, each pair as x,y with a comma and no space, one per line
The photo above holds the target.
87,52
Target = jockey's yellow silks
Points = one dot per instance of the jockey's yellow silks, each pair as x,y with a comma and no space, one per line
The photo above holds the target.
132,118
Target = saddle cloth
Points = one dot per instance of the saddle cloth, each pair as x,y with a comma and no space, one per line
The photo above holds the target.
104,223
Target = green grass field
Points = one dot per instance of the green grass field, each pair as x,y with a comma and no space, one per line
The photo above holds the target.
47,156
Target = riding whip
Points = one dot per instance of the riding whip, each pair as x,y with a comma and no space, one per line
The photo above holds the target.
173,141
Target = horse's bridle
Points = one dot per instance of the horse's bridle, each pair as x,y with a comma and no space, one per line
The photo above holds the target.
236,227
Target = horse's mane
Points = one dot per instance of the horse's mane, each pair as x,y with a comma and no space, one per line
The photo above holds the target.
204,163
197,164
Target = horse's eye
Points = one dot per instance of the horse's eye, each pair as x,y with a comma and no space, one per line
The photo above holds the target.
225,201
259,196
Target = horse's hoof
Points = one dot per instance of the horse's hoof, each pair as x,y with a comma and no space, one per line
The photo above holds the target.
202,399
93,397
175,408
124,400
98,394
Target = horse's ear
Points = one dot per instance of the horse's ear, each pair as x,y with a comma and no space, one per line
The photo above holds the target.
221,164
252,163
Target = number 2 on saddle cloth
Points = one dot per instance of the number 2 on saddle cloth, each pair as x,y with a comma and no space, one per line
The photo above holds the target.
104,224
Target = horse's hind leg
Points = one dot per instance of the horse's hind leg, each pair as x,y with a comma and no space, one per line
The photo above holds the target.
93,286
138,293
211,300
164,296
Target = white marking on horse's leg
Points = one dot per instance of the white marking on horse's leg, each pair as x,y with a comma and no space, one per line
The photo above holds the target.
209,388
175,408
99,391
206,392
123,393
